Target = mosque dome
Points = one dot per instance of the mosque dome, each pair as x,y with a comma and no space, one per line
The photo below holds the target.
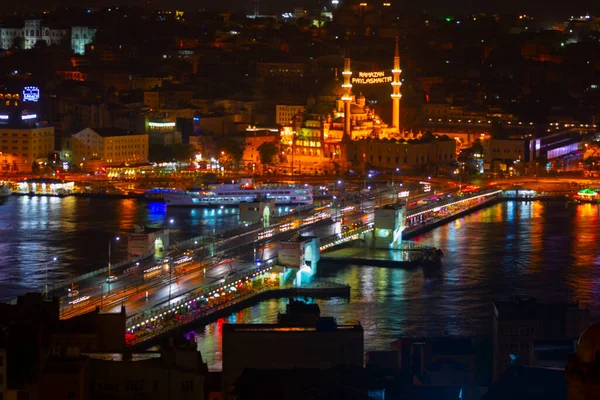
588,346
356,109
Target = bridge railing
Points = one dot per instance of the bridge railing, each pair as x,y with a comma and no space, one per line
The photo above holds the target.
343,237
220,237
196,294
451,201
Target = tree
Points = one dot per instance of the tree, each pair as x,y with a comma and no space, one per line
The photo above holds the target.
18,43
477,146
40,44
182,152
230,146
267,152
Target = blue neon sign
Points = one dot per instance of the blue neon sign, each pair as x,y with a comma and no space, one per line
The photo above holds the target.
31,93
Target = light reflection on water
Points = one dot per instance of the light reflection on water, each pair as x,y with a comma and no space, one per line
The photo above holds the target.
77,231
535,249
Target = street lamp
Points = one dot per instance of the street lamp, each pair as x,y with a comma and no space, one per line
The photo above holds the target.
109,251
393,188
339,198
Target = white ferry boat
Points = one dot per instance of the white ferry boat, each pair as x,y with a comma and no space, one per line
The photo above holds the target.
244,191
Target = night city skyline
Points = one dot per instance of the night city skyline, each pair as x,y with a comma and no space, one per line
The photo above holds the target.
551,8
300,200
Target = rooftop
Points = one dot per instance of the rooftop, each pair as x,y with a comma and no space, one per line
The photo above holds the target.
529,383
321,326
112,132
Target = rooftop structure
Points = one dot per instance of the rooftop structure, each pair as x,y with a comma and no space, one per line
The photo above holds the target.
520,323
322,345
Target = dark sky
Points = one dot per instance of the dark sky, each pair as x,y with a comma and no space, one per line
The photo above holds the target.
436,7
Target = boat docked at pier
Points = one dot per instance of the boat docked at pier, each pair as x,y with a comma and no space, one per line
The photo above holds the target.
246,190
4,191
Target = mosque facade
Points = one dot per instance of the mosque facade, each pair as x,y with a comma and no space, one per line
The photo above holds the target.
338,125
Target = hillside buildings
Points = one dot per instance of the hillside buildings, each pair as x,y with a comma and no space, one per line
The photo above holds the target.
34,31
24,138
521,326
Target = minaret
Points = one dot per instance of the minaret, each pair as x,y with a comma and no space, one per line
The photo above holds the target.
396,89
347,97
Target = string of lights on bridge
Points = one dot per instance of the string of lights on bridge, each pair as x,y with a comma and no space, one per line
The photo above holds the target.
454,203
215,292
557,125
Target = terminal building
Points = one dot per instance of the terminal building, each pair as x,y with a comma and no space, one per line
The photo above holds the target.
145,241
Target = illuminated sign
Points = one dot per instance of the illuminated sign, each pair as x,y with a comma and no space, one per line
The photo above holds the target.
31,93
3,116
161,124
372,78
404,194
28,116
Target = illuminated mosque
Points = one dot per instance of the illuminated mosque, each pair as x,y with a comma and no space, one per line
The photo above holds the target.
321,138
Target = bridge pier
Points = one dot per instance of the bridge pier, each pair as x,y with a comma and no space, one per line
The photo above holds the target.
301,253
389,224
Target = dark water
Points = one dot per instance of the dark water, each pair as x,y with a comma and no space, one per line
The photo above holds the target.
77,231
530,249
536,249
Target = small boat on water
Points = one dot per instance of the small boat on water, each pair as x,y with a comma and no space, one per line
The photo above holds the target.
432,256
4,192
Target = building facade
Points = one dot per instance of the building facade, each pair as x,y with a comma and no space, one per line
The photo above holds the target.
388,154
280,73
502,154
285,113
81,36
163,133
519,323
21,146
32,32
111,146
279,347
583,368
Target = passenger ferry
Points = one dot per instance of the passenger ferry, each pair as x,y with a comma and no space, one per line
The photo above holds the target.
158,193
244,191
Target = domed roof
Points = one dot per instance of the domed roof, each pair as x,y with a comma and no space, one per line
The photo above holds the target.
589,344
356,109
